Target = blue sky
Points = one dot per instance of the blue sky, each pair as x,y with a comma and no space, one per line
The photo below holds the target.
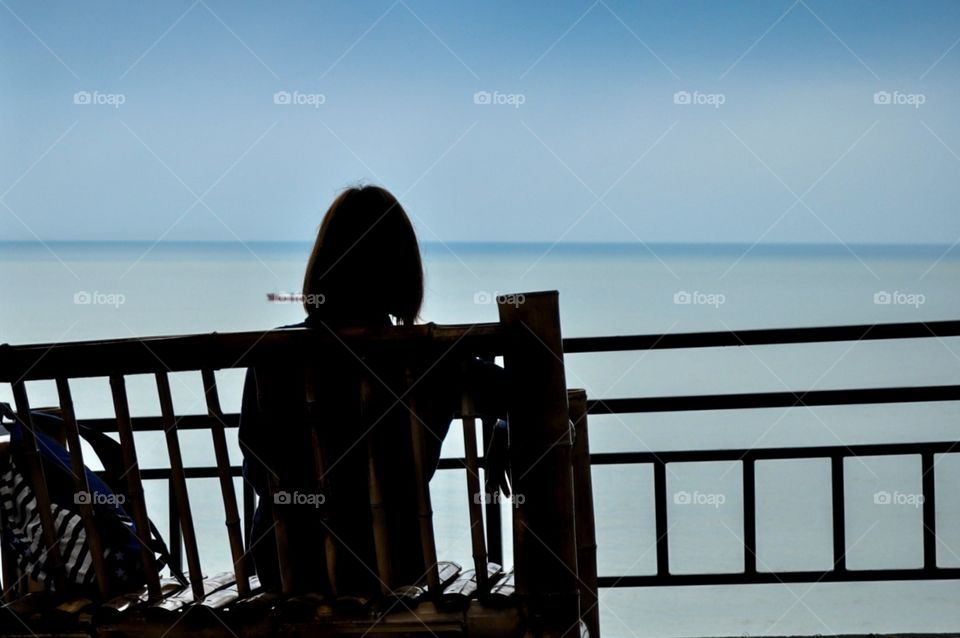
588,135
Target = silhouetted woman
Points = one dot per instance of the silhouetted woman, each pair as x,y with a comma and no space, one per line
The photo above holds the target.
364,271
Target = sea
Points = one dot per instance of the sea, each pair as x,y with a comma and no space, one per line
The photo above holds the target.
68,291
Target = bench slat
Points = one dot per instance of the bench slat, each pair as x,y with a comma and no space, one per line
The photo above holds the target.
232,513
118,389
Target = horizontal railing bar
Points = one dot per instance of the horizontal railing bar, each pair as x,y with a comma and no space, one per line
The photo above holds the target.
677,456
233,350
766,454
764,578
755,400
164,473
241,349
595,407
155,423
199,472
773,336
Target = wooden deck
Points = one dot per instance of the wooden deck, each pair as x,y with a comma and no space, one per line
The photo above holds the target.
460,611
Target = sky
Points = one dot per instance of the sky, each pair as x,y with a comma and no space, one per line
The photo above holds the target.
606,120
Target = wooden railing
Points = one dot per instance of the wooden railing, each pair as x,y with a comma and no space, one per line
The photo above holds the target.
591,346
545,541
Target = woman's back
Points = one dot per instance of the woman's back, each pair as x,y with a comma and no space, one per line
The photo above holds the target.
361,412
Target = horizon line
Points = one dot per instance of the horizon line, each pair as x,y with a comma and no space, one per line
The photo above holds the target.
461,242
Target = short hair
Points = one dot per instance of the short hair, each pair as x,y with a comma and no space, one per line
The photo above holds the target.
365,265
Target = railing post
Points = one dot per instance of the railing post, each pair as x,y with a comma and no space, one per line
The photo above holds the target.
586,524
749,515
540,454
839,518
928,482
660,517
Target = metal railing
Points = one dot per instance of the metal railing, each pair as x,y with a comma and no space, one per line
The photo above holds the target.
749,457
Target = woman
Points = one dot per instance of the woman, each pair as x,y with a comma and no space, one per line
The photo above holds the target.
364,271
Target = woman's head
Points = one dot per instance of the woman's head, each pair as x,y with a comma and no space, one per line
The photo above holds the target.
365,265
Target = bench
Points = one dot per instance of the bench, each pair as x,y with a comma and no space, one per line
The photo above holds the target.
550,590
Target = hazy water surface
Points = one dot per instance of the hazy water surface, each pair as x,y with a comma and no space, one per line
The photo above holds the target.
66,292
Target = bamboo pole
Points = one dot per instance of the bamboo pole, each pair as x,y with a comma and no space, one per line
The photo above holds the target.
491,509
8,564
231,511
468,419
278,514
329,542
378,513
381,538
12,581
249,508
541,449
317,442
586,524
180,486
39,484
134,485
424,508
280,533
94,542
251,349
173,526
518,530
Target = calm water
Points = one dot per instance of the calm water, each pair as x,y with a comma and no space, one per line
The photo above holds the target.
71,291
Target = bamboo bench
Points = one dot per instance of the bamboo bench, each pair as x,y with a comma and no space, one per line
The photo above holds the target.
550,590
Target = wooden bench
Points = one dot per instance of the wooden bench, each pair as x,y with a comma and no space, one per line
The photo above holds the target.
550,590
